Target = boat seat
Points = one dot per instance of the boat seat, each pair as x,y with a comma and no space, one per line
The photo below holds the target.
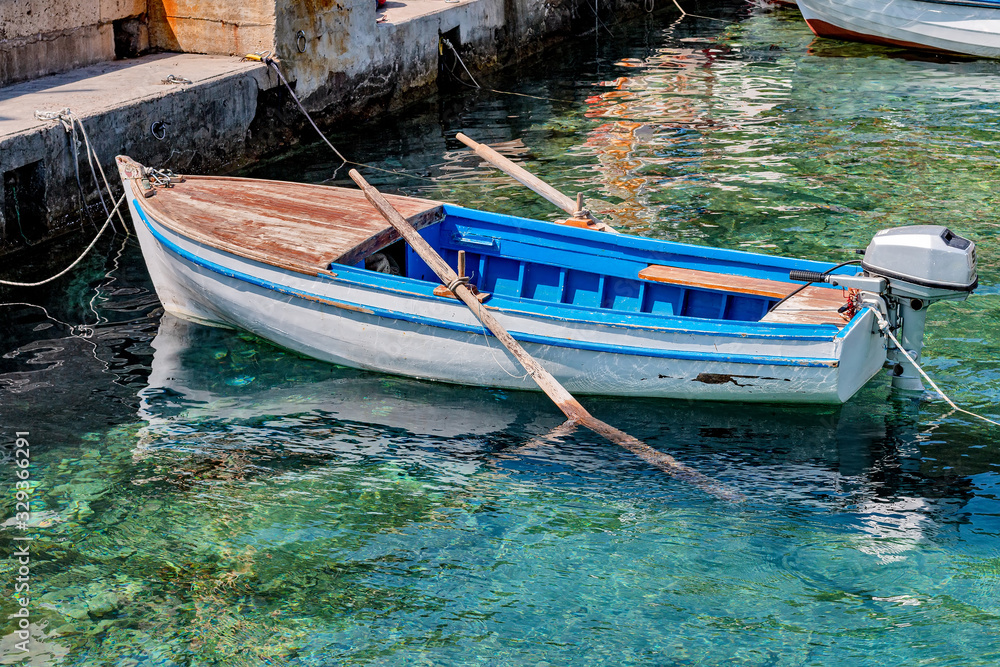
722,282
813,305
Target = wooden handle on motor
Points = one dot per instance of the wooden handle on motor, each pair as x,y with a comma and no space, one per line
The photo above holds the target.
545,381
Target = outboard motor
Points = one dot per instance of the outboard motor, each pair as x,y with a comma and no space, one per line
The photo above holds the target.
921,264
905,270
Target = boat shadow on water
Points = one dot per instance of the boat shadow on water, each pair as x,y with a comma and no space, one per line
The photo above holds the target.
223,404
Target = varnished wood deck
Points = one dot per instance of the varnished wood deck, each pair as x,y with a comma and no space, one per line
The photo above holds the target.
295,226
716,281
813,305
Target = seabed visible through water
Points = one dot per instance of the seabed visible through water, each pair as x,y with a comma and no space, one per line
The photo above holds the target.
200,497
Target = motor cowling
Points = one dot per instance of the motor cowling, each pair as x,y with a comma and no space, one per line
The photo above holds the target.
924,259
921,264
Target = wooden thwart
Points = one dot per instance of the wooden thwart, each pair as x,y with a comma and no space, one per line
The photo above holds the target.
813,305
546,382
717,281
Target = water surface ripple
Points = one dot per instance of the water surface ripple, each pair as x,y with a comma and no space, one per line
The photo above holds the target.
203,498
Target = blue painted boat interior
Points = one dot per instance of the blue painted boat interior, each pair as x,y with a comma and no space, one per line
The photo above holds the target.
542,265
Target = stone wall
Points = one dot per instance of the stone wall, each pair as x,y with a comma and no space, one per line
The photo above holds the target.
333,49
352,65
39,37
344,63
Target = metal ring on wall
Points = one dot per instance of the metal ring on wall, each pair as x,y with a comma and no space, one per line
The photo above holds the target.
300,41
159,130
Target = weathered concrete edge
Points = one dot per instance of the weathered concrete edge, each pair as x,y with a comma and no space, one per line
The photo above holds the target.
243,105
217,114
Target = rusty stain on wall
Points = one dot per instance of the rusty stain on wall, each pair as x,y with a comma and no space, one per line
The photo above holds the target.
223,27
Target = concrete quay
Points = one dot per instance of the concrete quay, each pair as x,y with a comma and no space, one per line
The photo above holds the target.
118,104
341,60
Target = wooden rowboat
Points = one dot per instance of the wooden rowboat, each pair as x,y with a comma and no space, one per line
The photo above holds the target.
968,27
605,313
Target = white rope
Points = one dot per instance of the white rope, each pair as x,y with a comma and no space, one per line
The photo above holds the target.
698,16
78,259
52,115
884,326
461,62
92,152
265,57
270,61
486,337
70,121
598,23
493,90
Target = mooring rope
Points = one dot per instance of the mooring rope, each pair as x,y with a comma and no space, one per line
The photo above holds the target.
70,122
698,16
62,273
460,61
92,153
494,90
598,21
74,144
265,57
884,326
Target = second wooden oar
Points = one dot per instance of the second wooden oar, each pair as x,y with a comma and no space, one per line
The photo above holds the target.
525,177
546,382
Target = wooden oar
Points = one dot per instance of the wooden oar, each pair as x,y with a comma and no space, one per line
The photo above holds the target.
562,398
525,177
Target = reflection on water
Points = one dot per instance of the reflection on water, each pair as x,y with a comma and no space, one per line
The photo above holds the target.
202,497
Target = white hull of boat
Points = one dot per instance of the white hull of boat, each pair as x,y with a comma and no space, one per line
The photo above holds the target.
971,28
439,339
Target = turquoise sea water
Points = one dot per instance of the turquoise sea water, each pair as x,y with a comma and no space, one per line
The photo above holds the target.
202,498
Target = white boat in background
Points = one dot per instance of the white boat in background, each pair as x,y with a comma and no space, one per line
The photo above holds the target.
968,27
